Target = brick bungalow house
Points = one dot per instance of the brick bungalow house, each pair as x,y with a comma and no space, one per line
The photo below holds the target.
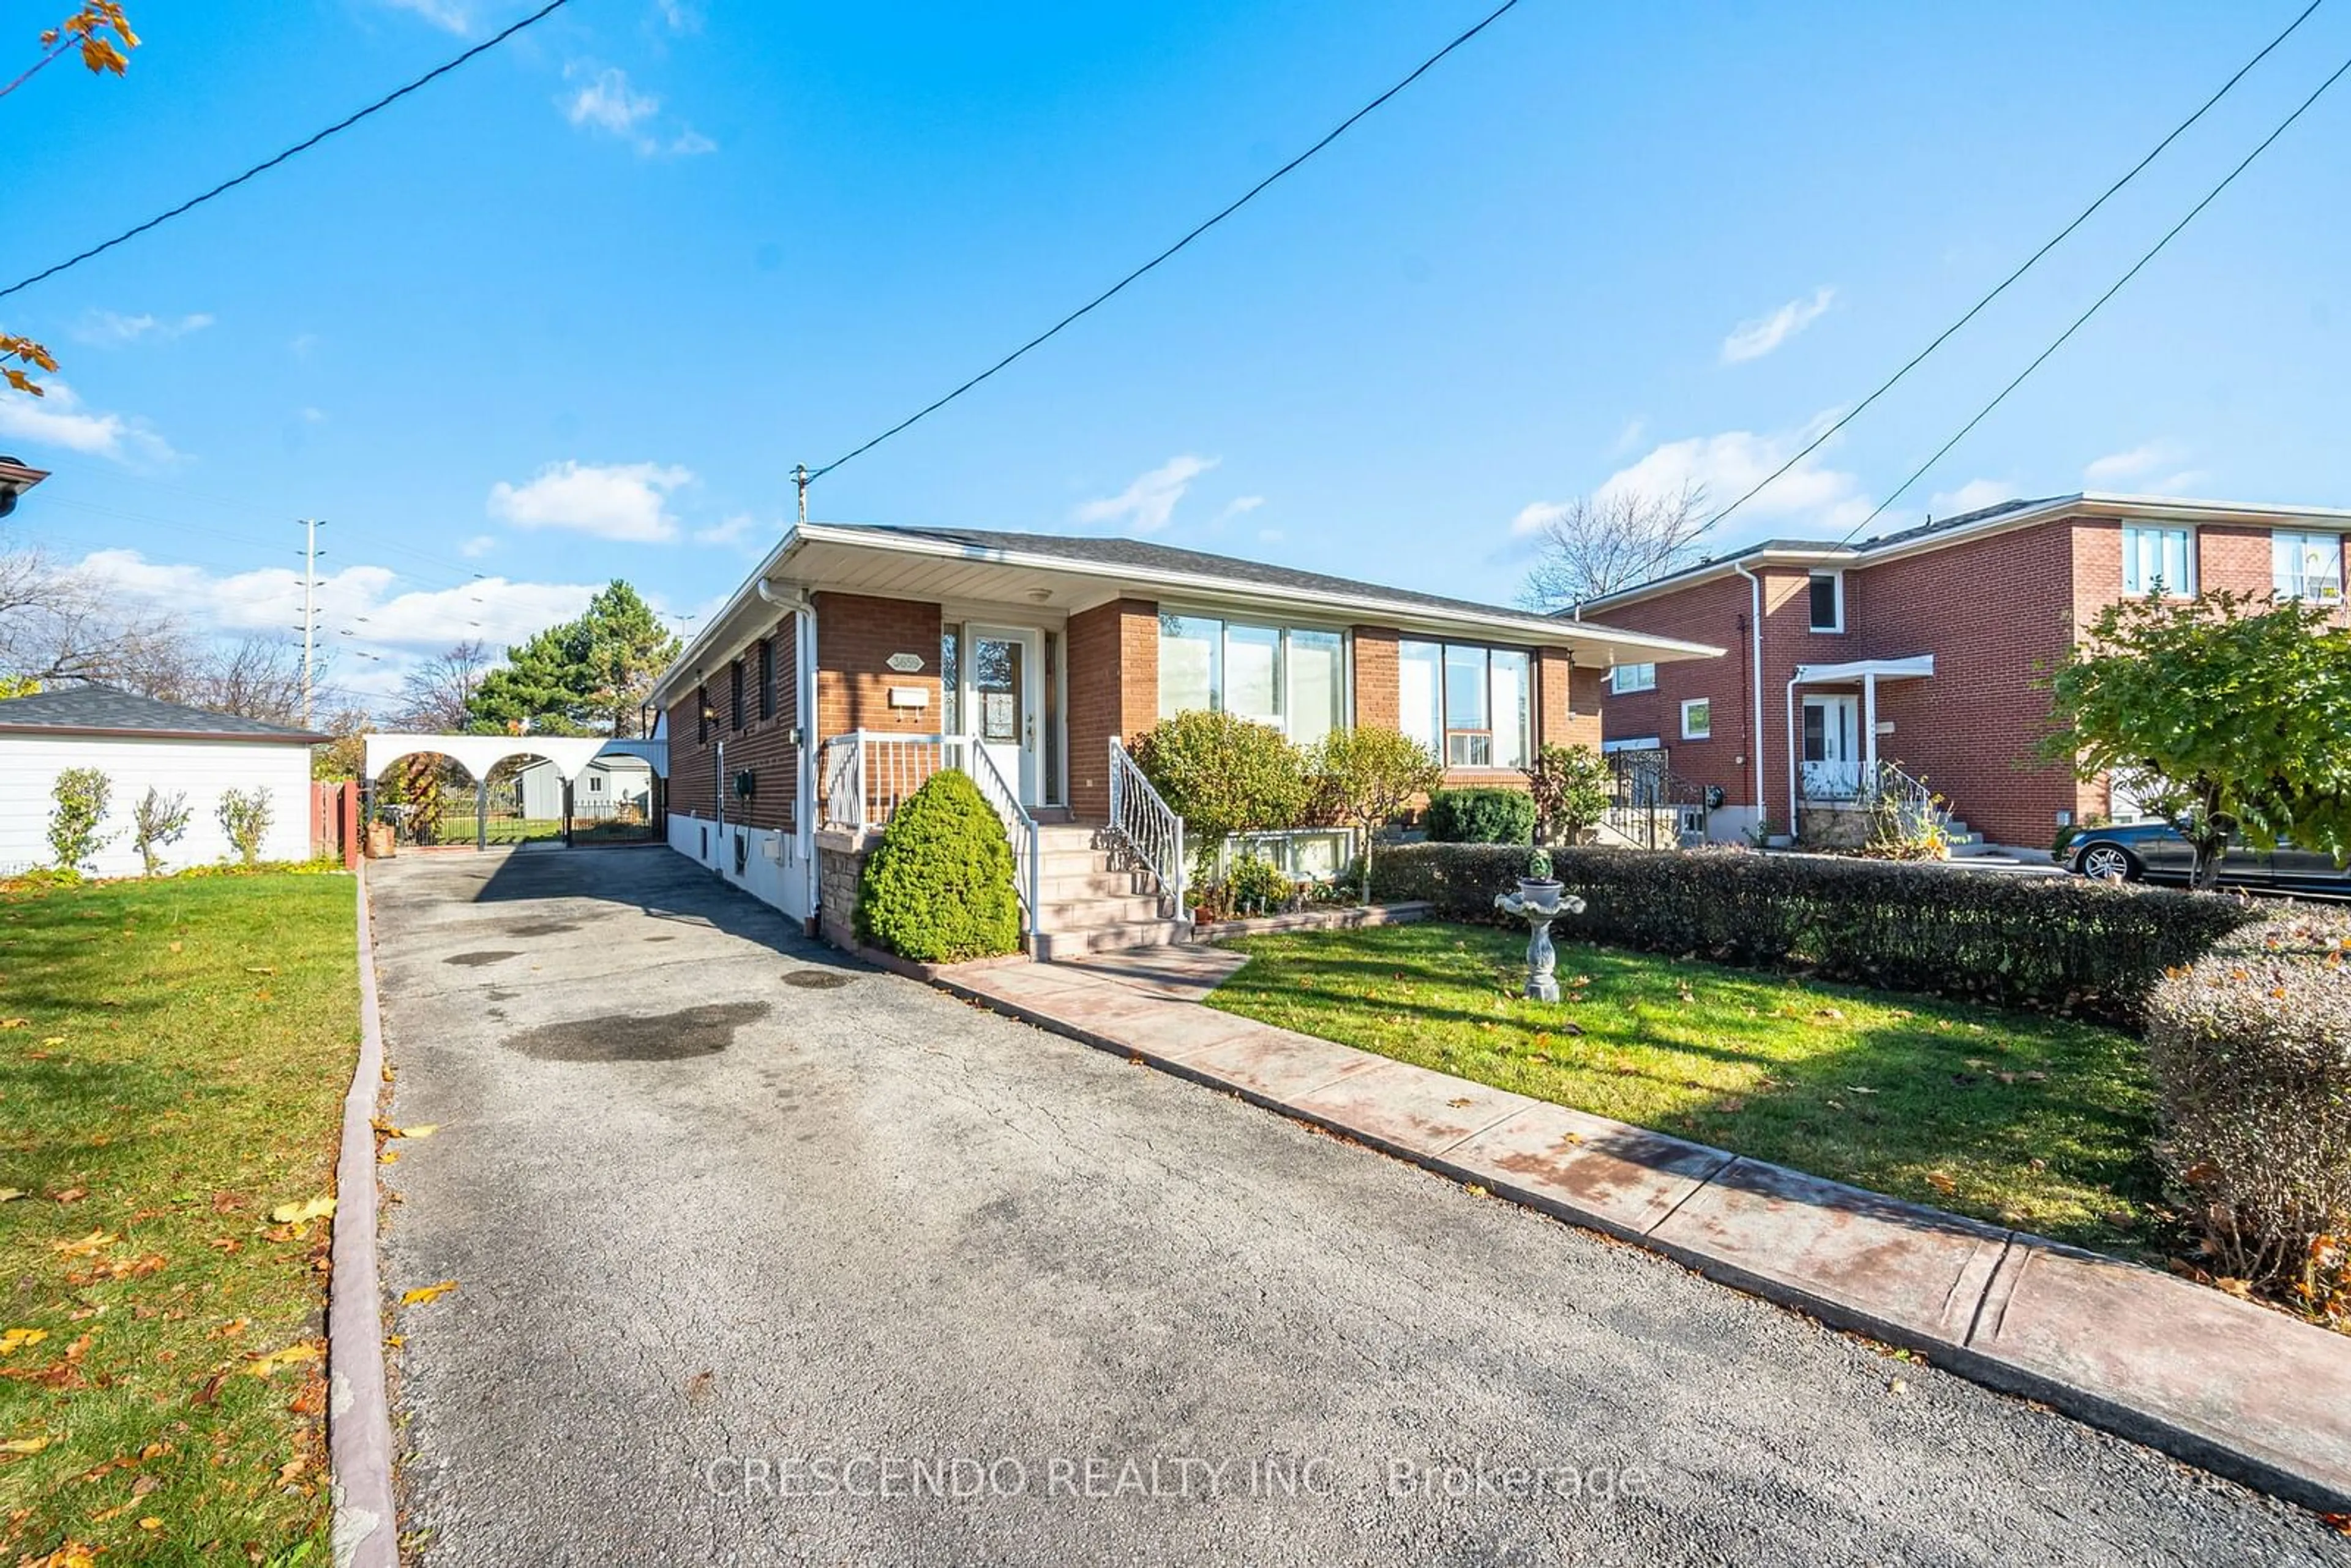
1922,649
856,660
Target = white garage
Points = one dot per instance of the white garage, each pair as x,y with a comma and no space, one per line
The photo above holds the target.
140,743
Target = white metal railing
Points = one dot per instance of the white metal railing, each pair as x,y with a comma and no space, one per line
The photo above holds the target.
868,775
1149,827
1872,786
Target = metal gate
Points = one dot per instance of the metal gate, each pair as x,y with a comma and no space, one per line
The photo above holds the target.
1650,806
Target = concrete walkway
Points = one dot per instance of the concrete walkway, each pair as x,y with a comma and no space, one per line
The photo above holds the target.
723,1206
2214,1380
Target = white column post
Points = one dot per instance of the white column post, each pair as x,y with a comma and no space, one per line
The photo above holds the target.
1869,728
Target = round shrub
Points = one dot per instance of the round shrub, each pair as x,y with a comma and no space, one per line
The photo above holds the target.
1224,774
2251,1047
1481,817
939,887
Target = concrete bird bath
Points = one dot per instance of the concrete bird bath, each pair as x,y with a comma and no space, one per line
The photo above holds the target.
1540,901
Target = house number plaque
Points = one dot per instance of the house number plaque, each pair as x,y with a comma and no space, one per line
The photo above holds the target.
905,664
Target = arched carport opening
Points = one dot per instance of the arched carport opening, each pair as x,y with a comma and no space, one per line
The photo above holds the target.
498,790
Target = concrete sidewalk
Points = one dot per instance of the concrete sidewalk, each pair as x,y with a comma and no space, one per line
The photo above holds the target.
2218,1382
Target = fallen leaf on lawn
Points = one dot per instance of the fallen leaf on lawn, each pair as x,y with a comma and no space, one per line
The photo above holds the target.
14,1340
225,1244
226,1203
151,1522
231,1329
175,946
85,1245
1858,1089
291,1468
263,1365
422,1130
11,1194
1732,1105
53,1039
15,1023
23,1444
2240,1288
1828,1012
424,1294
71,1194
291,1213
1941,1182
259,969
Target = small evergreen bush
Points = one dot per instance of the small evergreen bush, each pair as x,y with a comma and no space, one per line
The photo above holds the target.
939,887
1481,817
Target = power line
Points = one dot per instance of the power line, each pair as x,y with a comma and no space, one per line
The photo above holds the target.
807,479
2030,262
492,42
2099,303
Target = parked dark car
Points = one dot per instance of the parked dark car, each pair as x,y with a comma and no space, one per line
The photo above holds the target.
2154,851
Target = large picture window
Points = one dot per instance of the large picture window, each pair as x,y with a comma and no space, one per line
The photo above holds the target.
1293,678
1471,706
2158,558
2308,566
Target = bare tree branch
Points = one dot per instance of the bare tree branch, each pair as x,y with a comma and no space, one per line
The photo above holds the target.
1602,543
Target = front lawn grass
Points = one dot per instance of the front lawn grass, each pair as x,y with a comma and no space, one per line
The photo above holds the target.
173,1059
2034,1122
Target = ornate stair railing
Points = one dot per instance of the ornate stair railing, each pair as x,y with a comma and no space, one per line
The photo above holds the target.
1147,825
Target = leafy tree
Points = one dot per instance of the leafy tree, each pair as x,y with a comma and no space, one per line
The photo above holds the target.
80,797
590,677
1368,775
2226,712
1223,775
105,39
158,821
1571,787
244,816
1597,545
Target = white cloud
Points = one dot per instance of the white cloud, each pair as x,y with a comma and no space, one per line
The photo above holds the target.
681,15
626,501
1630,437
1755,338
1145,506
361,609
451,15
112,329
1973,496
60,420
731,531
2142,468
606,103
1726,466
477,547
1240,507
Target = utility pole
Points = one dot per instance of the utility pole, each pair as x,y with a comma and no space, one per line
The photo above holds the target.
800,478
309,610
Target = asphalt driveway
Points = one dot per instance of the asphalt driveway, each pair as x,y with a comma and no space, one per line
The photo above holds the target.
764,1257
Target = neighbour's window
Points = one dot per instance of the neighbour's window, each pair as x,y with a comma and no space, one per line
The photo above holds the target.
2157,559
1470,705
735,673
766,677
595,783
1633,678
1828,601
1698,719
1292,678
2308,566
950,682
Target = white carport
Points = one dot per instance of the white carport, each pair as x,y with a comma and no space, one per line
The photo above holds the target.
476,754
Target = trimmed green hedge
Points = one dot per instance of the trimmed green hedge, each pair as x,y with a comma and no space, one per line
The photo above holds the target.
2062,944
1481,817
2252,1051
938,888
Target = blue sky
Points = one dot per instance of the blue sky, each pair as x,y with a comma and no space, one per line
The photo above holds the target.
575,311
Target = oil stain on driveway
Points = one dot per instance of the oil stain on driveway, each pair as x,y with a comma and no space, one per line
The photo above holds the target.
764,1257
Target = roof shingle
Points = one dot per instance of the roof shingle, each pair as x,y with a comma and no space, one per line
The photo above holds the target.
104,710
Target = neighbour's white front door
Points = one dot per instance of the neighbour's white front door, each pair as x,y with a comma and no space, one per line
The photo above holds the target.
1003,706
1832,748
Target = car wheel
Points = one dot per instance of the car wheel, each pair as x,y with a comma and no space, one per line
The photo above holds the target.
2103,860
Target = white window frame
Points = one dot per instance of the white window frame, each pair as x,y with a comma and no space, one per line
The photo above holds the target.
1836,581
1219,666
1619,685
1447,730
1705,732
1632,743
2301,538
2187,557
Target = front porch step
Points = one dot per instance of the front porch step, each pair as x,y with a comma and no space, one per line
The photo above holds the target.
1066,887
1077,941
1096,909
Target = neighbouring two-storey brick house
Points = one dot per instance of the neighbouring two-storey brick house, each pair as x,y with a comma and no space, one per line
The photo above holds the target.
1925,649
857,660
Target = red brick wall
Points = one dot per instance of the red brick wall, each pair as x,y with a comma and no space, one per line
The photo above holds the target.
763,747
855,635
1377,683
1114,685
1713,612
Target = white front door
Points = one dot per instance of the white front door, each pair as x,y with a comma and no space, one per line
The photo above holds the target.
1832,748
1003,705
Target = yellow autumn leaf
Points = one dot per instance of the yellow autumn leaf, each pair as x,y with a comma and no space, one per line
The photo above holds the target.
85,1245
422,1130
11,1194
23,1444
14,1340
263,1365
424,1294
295,1213
52,1040
150,1521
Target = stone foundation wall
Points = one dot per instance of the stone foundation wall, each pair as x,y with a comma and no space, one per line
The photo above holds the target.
1833,828
840,864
